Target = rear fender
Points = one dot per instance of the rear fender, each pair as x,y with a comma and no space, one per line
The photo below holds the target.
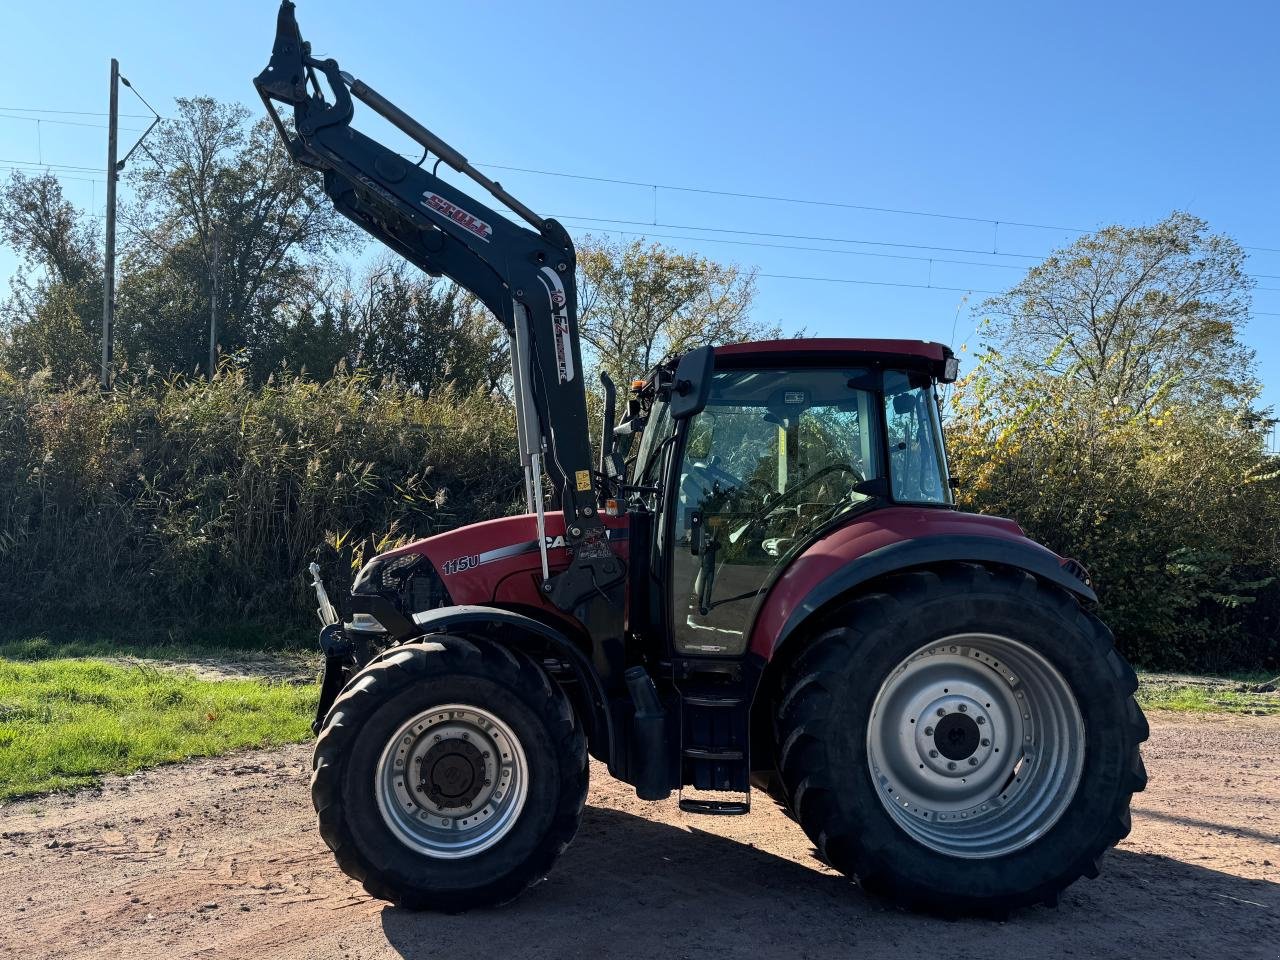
1020,553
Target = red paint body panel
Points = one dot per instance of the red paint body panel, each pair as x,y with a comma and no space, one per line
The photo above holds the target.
509,580
934,352
513,580
871,531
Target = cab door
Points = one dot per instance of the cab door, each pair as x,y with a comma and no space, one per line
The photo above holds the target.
775,455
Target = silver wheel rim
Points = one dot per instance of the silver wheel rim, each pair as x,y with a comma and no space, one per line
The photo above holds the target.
452,781
976,745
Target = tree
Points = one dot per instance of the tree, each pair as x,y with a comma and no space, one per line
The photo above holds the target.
1135,312
397,324
52,316
210,170
1111,415
639,304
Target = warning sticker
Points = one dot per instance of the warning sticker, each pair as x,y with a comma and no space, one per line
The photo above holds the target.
584,480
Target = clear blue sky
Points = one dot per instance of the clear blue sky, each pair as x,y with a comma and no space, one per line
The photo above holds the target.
1073,115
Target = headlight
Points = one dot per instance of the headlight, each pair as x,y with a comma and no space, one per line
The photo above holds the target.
367,580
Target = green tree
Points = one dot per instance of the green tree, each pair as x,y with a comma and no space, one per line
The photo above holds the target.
1135,311
52,316
1111,415
641,303
211,171
395,323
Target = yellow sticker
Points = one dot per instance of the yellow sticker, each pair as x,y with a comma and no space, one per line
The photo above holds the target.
584,480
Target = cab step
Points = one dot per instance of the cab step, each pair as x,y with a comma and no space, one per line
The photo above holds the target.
716,808
707,753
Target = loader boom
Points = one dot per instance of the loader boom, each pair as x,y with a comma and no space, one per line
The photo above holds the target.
525,275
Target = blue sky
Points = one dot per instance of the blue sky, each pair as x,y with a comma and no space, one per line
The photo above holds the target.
1073,116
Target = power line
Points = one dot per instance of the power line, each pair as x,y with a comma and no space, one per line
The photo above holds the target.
801,236
997,223
75,113
64,123
790,246
776,199
876,283
43,166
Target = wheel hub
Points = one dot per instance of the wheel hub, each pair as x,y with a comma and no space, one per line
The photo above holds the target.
956,736
453,773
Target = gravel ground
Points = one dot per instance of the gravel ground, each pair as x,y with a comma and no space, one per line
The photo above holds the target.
220,858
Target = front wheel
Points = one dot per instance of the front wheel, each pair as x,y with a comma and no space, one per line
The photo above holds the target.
962,741
449,774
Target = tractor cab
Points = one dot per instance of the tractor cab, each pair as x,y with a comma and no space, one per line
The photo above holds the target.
793,440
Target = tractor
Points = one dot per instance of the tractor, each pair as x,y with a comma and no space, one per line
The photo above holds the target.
758,579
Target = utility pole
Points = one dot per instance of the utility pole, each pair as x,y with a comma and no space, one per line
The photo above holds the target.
215,287
109,274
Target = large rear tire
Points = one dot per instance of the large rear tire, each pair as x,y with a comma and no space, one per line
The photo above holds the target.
962,740
449,774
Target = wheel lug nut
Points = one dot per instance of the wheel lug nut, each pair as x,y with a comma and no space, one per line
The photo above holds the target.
973,761
933,754
941,712
962,708
986,742
981,721
928,731
951,765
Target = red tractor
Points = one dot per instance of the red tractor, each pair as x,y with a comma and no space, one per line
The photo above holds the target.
760,579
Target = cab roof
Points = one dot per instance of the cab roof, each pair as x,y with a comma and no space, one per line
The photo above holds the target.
846,347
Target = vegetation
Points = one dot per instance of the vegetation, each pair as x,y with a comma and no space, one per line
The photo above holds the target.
64,723
1113,410
643,303
168,507
1250,697
1132,444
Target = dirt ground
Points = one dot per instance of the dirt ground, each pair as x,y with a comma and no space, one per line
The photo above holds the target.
220,858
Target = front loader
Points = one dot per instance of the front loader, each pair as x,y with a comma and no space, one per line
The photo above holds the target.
759,579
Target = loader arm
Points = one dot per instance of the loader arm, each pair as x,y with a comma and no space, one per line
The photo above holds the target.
524,274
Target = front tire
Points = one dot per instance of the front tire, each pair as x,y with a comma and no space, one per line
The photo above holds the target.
449,774
962,741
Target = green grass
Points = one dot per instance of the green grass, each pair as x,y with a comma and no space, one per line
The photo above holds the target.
230,642
1207,695
65,723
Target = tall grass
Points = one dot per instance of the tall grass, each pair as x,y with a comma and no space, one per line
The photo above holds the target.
184,506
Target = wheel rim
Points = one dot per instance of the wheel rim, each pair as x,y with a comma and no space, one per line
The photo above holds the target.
976,745
452,781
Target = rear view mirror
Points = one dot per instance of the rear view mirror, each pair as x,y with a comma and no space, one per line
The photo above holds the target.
692,385
904,403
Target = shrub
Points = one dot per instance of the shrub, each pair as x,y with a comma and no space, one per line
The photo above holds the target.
170,505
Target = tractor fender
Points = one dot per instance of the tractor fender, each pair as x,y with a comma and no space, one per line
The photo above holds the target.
521,632
1019,552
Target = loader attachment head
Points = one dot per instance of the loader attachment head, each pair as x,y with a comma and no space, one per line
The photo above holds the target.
291,78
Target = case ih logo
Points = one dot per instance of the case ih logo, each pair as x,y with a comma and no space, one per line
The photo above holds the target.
433,201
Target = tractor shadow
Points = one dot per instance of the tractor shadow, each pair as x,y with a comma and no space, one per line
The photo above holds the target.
632,887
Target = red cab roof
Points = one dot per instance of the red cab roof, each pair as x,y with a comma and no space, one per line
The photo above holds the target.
924,349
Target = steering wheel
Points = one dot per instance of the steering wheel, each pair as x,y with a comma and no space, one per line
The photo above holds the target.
709,473
804,484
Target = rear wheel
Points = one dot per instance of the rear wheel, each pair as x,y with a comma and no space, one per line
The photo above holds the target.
962,741
449,774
